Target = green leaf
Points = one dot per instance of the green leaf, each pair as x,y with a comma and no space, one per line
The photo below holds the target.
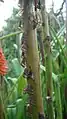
17,67
12,80
11,112
42,67
21,84
18,86
20,109
54,76
61,31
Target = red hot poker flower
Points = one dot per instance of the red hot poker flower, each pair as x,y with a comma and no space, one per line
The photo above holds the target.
3,64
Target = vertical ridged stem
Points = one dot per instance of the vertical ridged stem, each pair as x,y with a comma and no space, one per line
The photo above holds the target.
48,62
33,60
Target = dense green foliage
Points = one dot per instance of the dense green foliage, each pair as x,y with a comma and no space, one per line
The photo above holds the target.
10,44
16,102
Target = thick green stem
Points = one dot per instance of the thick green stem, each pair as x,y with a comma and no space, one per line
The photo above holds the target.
33,60
48,62
49,83
58,105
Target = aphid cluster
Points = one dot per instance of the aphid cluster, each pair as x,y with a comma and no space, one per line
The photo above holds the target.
27,71
30,102
30,91
32,20
24,49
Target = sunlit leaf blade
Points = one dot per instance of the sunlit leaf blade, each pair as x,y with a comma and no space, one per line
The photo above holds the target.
17,67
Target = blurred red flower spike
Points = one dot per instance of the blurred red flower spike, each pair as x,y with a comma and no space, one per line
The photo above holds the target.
3,63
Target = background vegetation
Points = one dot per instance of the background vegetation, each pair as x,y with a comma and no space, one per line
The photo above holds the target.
52,52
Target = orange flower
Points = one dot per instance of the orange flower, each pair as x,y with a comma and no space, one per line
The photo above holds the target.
3,64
